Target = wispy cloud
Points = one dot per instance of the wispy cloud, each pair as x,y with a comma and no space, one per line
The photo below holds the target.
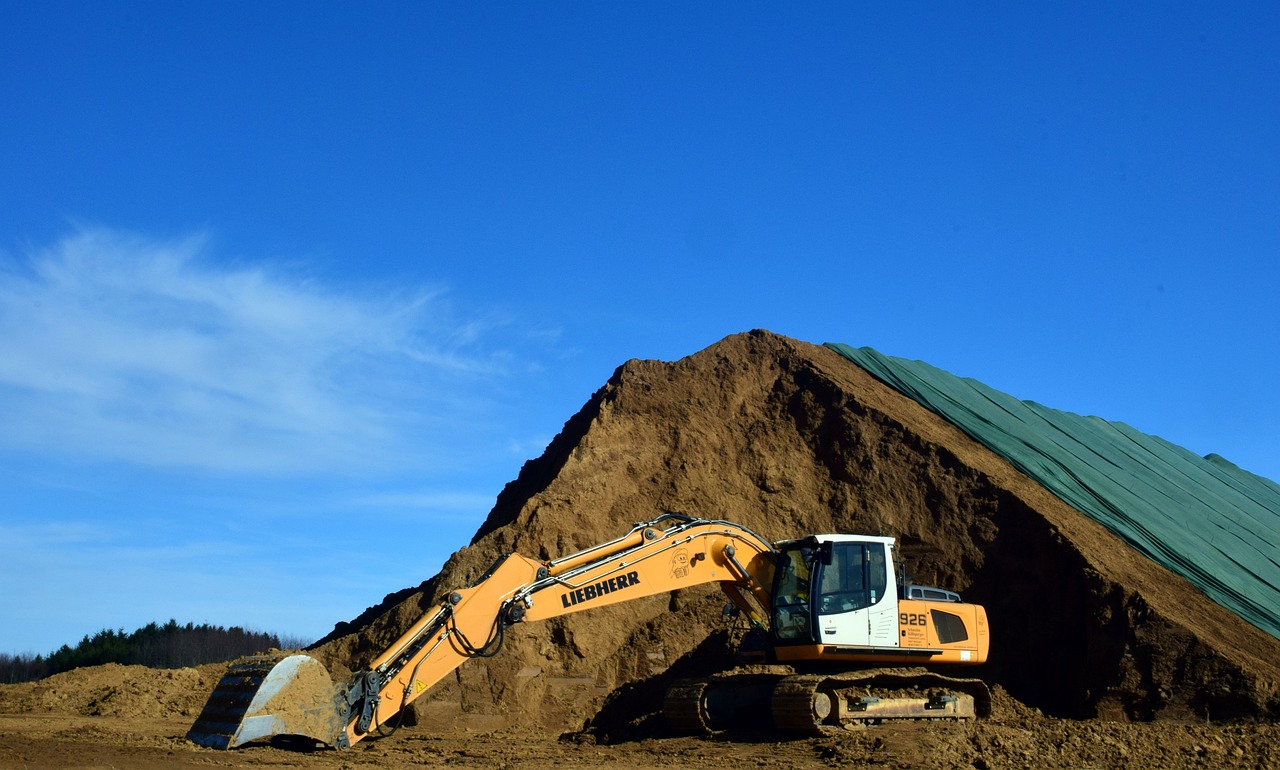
126,349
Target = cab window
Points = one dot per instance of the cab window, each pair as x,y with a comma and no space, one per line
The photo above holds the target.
854,579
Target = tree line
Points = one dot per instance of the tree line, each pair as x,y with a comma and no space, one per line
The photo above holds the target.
171,645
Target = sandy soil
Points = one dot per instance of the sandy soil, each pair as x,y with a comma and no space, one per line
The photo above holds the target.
143,716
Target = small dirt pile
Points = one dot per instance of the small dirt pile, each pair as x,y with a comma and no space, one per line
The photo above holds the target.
790,438
113,690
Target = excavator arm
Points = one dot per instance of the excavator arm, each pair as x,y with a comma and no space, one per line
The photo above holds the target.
288,697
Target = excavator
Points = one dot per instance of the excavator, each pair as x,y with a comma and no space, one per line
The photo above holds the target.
822,609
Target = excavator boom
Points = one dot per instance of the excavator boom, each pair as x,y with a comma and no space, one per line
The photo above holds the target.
258,699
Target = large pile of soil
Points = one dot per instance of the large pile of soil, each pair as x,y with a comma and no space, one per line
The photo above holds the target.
790,438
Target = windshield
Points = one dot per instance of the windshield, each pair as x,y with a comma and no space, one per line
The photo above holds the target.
791,593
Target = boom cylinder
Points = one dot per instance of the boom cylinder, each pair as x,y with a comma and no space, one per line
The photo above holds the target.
632,539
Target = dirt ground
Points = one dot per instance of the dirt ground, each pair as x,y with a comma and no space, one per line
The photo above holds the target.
132,717
1099,657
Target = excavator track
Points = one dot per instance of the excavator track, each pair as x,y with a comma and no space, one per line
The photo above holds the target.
706,705
684,706
797,705
817,704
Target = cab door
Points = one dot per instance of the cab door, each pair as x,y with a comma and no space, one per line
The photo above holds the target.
854,603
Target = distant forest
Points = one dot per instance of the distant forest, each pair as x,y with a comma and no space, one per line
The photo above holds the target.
159,646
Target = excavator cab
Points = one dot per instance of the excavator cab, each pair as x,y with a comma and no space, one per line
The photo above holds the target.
835,590
838,611
837,597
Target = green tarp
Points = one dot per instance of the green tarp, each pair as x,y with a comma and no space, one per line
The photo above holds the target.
1201,517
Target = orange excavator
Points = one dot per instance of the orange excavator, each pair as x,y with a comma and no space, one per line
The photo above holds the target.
834,604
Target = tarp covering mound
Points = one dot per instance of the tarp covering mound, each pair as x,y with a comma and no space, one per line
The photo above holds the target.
1201,517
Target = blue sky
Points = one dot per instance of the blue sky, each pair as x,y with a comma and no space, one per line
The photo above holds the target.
289,291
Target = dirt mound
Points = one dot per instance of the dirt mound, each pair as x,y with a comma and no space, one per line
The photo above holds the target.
115,691
790,438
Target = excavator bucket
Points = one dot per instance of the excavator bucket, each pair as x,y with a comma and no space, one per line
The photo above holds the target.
262,696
